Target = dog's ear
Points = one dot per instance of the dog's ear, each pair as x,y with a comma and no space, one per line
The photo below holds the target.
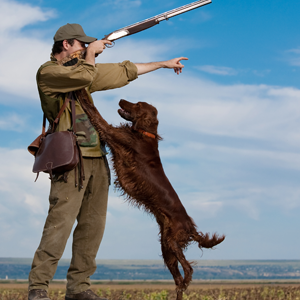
146,121
141,122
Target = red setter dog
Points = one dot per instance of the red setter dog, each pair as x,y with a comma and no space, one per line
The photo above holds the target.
140,176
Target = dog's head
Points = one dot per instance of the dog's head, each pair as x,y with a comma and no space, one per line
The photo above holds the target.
142,115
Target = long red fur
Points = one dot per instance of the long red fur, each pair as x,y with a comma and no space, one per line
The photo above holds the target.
141,178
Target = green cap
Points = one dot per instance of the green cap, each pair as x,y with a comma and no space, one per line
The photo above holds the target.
72,31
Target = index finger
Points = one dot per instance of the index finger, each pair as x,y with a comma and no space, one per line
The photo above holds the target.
107,42
182,58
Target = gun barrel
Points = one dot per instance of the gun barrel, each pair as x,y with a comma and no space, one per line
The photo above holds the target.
142,25
174,12
182,9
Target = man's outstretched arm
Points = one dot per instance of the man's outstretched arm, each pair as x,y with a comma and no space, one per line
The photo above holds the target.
169,64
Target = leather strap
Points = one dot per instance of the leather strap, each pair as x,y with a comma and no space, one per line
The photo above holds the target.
70,96
44,126
73,113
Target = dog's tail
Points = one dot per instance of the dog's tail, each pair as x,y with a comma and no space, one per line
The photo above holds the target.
204,241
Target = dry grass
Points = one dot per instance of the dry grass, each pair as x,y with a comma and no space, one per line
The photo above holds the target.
167,292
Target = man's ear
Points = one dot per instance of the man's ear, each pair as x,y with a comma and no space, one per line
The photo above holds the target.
66,45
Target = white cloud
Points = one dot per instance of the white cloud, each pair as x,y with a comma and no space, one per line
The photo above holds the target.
247,198
17,179
34,203
293,56
26,52
264,119
23,203
15,15
267,113
282,159
138,51
207,208
124,223
225,71
12,122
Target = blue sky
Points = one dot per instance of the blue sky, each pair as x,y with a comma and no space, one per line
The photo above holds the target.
230,121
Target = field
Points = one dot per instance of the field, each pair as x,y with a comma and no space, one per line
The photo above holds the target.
149,280
229,290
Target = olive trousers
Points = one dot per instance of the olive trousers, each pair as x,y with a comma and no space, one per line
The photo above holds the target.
67,203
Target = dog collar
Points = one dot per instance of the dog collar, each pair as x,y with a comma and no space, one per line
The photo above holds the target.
151,135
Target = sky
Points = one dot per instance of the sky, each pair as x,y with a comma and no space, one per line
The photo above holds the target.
230,122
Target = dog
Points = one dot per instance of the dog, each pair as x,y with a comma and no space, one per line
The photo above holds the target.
141,178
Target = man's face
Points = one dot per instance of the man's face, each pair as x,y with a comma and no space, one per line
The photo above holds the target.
76,46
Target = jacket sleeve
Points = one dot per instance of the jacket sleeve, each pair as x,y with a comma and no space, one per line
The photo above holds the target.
61,79
113,75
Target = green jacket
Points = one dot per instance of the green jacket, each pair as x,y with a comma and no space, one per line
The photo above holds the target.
55,81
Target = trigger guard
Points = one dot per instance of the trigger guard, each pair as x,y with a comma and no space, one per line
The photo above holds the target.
110,46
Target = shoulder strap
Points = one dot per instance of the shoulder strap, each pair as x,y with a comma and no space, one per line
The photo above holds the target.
73,112
54,125
63,107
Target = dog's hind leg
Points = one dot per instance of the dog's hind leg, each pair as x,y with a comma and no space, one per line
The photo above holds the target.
187,268
169,257
173,254
172,264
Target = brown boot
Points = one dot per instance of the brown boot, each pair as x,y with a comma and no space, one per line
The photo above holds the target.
38,295
86,295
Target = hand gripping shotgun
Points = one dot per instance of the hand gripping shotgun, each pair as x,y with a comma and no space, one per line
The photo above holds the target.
140,26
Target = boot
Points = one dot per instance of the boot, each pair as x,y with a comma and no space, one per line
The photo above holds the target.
86,295
38,295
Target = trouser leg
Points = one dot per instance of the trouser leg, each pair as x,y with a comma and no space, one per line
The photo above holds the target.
89,230
65,202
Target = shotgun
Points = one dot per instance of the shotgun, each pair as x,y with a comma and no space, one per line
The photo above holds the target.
140,26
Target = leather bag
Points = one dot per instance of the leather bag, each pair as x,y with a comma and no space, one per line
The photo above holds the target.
58,152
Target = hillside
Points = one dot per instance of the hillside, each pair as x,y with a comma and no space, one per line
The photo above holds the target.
18,268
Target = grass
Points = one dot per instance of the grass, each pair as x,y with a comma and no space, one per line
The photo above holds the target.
146,292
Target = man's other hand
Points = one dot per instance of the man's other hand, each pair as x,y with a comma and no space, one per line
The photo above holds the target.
168,64
175,64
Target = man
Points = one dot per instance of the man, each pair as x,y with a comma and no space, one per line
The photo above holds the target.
72,68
